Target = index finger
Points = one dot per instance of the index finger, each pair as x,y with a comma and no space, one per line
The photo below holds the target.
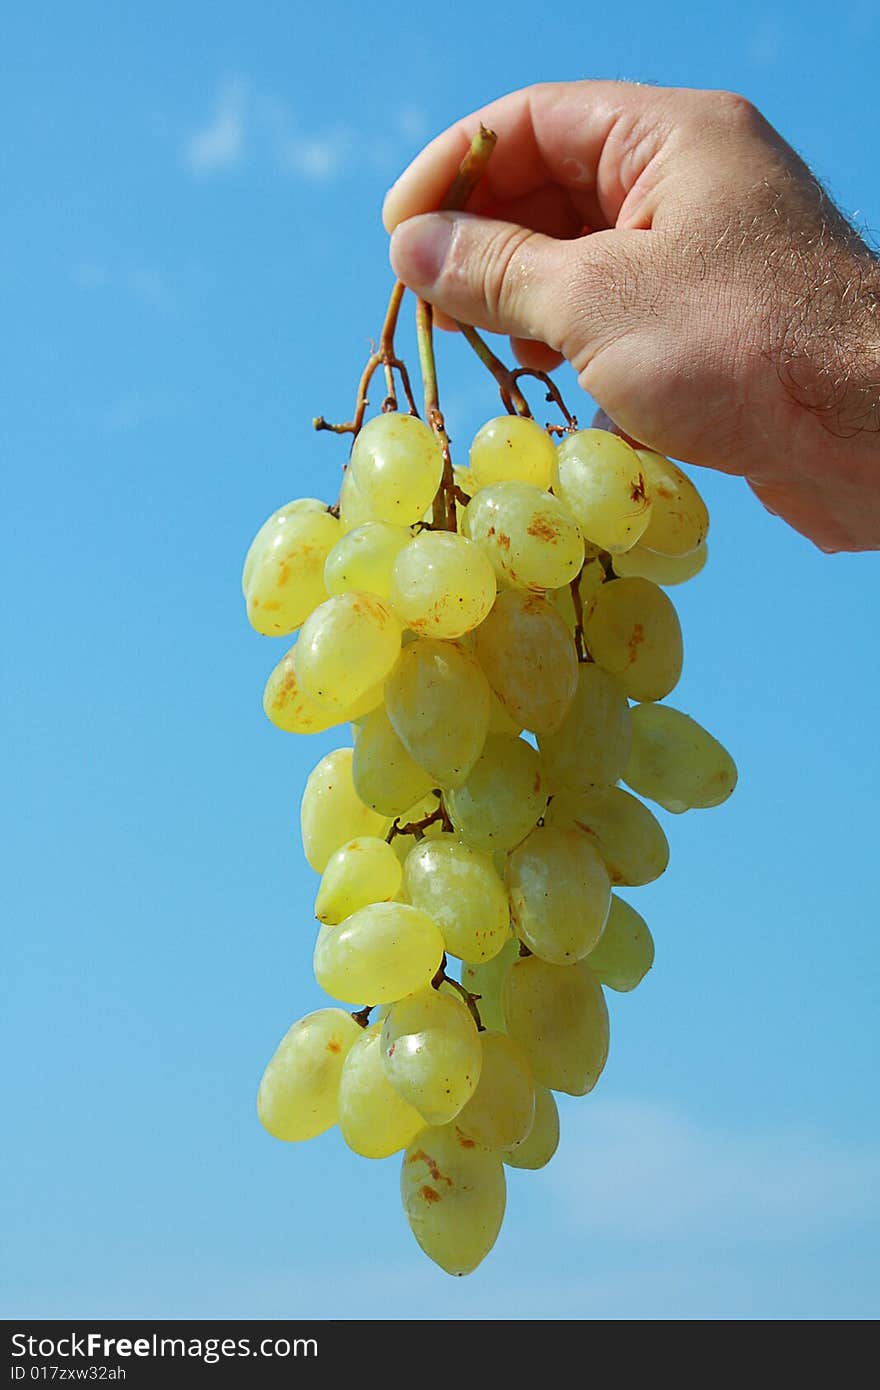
551,134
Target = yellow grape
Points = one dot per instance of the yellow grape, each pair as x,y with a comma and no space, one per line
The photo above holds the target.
629,838
625,952
676,762
503,796
442,585
541,1143
486,980
438,702
679,517
632,630
513,448
500,721
558,1015
379,953
353,510
347,646
375,1121
500,1113
363,871
363,559
591,746
298,1094
283,577
459,889
559,893
602,483
332,813
288,707
464,479
529,659
532,541
453,1194
431,1053
660,569
396,464
385,776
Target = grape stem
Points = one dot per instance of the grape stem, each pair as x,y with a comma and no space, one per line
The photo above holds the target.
470,999
382,356
418,827
579,643
512,397
362,1016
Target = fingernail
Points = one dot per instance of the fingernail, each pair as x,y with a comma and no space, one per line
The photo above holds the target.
419,248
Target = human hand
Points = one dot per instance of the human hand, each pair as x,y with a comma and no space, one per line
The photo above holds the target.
672,247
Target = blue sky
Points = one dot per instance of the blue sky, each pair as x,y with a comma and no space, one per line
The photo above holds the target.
192,265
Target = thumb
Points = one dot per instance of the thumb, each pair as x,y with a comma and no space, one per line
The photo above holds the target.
506,278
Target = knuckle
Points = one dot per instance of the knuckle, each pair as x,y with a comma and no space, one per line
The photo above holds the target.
733,109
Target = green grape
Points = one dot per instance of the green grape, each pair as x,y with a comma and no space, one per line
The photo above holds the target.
442,585
629,838
459,889
385,776
375,1121
640,563
529,659
528,535
298,1094
283,577
347,646
454,1195
503,796
332,812
363,871
602,483
559,893
679,518
591,746
625,952
501,1112
381,952
465,480
539,1146
676,762
431,1053
396,464
362,559
353,510
513,448
558,1015
500,721
632,630
486,981
288,707
438,702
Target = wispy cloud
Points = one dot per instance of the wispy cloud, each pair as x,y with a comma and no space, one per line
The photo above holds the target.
644,1171
219,145
246,123
148,284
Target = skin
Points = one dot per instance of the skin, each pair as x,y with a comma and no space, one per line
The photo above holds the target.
676,251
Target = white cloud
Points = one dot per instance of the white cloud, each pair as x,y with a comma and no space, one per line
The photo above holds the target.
219,145
146,283
641,1171
247,122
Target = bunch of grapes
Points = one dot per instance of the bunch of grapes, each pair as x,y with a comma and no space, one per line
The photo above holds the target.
499,639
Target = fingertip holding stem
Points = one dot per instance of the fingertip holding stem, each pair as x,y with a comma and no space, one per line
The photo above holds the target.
419,248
